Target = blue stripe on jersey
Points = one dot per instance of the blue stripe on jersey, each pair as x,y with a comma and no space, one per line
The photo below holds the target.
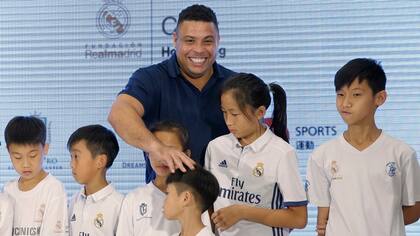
301,203
276,203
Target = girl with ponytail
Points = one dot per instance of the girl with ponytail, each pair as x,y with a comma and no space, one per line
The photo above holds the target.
260,187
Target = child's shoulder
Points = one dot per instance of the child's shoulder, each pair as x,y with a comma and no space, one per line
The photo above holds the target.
227,139
147,191
396,145
5,199
331,146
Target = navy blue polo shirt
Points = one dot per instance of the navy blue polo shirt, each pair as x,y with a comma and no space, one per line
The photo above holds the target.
167,95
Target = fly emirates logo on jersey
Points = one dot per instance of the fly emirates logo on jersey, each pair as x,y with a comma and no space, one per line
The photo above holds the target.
238,192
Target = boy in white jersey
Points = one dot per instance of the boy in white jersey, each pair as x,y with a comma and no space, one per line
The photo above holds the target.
95,209
141,213
190,194
365,182
40,202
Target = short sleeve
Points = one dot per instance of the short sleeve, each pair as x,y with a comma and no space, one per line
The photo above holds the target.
317,183
55,221
207,158
290,182
411,180
144,87
125,223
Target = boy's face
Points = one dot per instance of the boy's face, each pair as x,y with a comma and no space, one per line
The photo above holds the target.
169,139
357,104
173,203
83,165
27,159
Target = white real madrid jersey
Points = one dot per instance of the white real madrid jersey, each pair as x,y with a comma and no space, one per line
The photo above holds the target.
96,214
365,190
40,211
142,214
6,214
262,174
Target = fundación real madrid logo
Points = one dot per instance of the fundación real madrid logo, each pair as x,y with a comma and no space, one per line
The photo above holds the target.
113,19
258,170
143,209
99,220
391,168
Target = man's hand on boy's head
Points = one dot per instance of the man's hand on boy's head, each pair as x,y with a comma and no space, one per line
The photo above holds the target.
173,158
225,217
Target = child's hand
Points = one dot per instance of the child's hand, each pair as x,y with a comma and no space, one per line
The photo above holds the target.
224,218
320,228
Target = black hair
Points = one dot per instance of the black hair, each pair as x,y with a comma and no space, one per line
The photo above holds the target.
249,90
99,140
173,127
203,184
25,130
197,12
361,69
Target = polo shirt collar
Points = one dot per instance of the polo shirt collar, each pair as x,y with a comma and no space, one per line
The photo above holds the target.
258,144
99,195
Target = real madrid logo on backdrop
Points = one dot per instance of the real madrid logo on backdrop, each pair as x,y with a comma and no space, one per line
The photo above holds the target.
143,209
99,220
391,168
258,170
113,19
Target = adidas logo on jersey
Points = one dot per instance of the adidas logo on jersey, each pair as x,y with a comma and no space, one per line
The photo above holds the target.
73,217
223,164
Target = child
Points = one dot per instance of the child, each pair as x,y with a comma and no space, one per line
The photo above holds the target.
40,202
189,195
95,209
141,213
260,187
364,182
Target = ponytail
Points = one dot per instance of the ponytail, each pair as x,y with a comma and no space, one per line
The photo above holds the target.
279,117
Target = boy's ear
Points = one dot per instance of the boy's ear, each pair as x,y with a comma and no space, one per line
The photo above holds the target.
45,149
100,161
187,198
380,98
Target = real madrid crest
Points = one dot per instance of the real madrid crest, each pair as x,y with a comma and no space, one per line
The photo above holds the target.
258,171
99,220
391,169
143,209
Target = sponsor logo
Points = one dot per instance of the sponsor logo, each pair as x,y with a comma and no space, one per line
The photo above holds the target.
223,164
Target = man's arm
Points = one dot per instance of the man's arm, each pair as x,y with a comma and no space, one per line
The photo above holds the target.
411,213
126,119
